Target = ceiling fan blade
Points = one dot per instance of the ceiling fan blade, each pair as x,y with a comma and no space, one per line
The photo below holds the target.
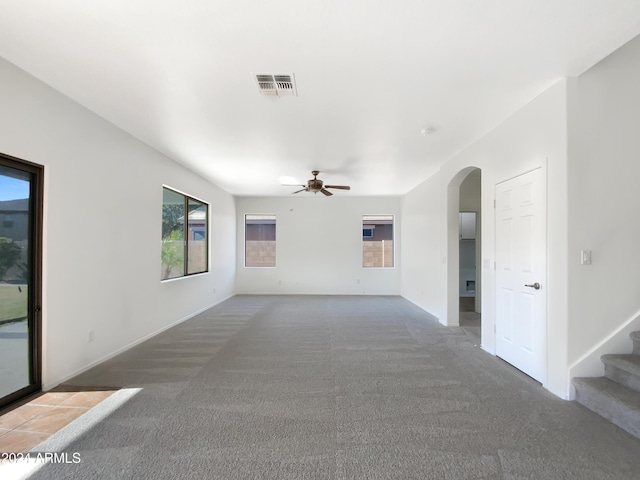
341,187
292,185
326,192
303,190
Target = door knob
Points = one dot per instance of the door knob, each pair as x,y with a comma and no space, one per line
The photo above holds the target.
534,285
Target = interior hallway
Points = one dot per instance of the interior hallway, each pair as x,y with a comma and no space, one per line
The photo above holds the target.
333,387
470,320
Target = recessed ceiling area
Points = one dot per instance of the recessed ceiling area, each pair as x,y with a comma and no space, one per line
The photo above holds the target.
385,91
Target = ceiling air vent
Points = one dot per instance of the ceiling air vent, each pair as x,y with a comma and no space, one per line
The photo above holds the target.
276,84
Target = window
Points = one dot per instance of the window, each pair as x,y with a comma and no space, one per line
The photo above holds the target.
259,240
185,223
377,240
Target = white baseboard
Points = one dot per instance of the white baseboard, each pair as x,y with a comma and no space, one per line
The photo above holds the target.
50,385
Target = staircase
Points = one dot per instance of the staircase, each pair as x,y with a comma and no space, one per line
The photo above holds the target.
616,396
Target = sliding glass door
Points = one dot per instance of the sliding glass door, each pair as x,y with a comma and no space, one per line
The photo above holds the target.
20,253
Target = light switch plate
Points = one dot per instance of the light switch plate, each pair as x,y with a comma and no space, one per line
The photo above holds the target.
585,257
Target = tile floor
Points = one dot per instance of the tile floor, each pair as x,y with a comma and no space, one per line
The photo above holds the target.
469,319
26,426
467,304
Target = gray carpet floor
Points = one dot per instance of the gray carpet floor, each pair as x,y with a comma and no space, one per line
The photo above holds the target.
334,387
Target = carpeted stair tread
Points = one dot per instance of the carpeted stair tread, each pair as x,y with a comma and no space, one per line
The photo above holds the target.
628,361
624,369
617,403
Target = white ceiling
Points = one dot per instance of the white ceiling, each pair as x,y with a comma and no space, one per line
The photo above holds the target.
371,75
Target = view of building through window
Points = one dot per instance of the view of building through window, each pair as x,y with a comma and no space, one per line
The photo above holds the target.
377,241
185,223
260,240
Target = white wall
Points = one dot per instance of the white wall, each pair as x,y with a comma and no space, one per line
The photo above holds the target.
423,270
318,246
604,152
470,197
102,222
534,136
103,197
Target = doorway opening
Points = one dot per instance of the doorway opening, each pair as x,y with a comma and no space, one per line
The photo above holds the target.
464,196
469,278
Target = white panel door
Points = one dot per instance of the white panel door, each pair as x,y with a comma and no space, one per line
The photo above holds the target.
521,322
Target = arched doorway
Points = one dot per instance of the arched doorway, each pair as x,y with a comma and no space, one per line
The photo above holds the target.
469,278
464,250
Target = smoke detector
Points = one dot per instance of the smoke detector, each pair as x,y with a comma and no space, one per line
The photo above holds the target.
276,85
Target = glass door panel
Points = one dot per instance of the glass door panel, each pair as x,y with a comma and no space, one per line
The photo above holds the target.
18,370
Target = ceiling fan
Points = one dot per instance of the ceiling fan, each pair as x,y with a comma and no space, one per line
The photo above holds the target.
314,185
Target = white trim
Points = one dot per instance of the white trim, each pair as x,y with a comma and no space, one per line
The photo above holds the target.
542,165
185,194
49,386
590,365
182,277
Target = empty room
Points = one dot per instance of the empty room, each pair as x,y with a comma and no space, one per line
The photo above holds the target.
368,240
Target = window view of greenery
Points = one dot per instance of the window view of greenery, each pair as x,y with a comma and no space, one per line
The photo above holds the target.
197,237
260,240
377,240
185,223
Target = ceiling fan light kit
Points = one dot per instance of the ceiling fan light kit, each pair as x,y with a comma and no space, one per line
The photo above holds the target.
315,185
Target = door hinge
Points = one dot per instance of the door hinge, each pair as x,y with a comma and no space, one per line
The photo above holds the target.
494,203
